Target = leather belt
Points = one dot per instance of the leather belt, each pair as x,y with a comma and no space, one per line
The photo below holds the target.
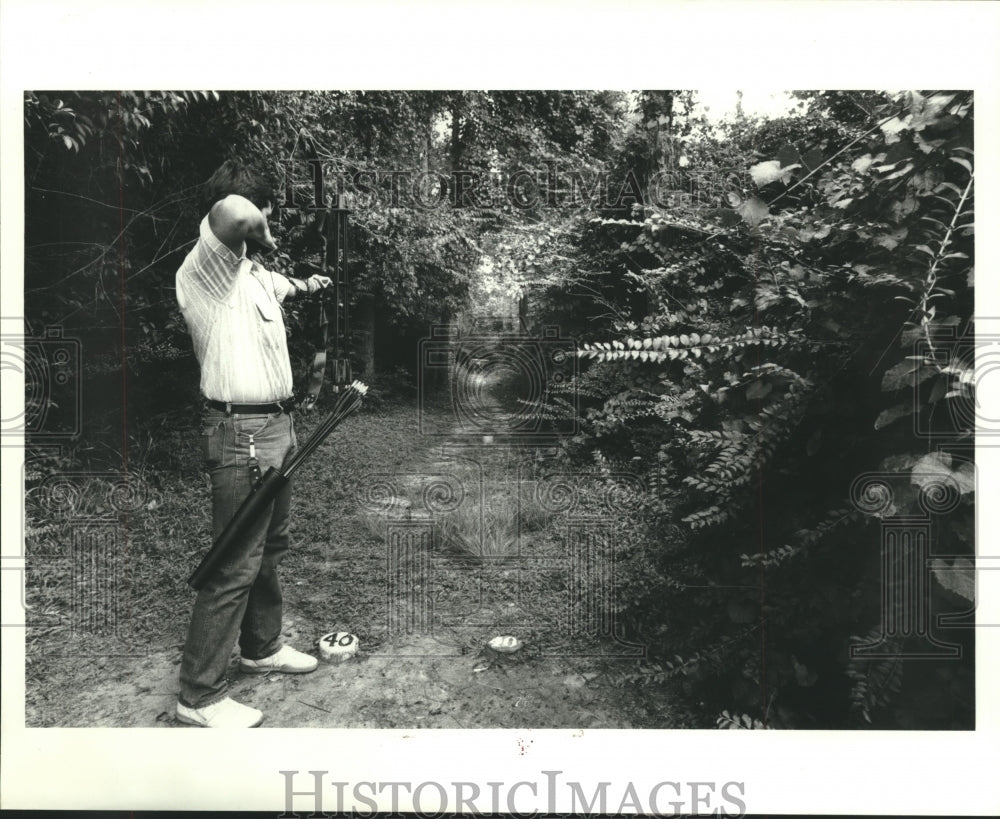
253,409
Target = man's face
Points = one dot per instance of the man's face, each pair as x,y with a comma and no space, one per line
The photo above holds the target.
254,245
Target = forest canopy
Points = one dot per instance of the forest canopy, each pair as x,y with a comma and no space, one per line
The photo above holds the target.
771,318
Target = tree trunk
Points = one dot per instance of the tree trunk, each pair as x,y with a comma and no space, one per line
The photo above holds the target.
657,104
365,323
522,311
457,111
428,145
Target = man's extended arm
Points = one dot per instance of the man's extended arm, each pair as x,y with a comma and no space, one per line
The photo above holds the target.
306,287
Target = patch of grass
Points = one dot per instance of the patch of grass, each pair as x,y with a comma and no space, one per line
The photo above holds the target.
161,541
489,522
486,526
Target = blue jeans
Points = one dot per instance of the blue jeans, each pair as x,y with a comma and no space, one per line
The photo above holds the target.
243,597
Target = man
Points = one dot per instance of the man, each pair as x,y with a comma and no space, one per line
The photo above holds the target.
232,307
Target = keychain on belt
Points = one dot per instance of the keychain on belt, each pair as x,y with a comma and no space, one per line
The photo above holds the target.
255,476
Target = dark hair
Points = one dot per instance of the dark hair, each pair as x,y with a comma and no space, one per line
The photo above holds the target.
234,176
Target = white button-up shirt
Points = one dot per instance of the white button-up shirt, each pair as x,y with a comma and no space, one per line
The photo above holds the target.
232,307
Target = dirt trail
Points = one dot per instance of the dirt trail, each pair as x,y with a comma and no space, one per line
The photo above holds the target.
435,673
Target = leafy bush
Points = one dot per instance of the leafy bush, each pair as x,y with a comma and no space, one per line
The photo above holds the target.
760,348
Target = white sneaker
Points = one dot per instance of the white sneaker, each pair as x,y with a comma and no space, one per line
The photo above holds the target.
287,660
226,713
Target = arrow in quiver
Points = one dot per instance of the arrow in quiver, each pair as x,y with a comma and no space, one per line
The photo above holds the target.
233,537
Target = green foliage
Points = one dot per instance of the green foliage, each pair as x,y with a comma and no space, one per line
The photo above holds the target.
874,683
799,320
735,722
114,120
113,184
790,315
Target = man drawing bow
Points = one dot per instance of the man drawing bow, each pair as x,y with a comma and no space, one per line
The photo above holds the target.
232,307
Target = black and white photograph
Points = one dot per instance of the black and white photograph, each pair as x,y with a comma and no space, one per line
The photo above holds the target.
436,412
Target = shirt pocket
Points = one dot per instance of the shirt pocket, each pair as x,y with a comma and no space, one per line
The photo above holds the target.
265,303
